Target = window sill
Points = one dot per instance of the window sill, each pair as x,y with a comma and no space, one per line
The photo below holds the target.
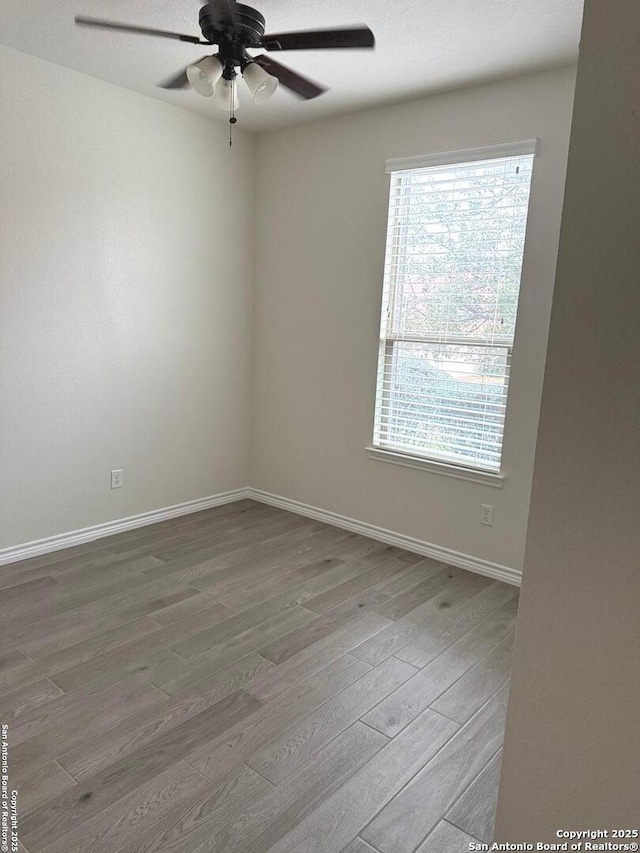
485,478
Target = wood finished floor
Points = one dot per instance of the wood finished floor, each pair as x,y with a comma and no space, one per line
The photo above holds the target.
246,680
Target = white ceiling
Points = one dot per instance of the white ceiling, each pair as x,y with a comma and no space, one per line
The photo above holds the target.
422,46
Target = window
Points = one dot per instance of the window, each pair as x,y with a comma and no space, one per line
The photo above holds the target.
453,264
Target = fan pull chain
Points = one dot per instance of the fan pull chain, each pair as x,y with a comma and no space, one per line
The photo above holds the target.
232,111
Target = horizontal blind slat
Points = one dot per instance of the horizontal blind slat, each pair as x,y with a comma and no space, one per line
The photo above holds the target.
473,437
451,458
485,457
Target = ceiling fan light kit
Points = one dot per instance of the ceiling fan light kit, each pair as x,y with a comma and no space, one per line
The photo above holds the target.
236,28
205,78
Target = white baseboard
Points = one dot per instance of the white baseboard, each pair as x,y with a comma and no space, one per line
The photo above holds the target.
408,543
110,528
381,534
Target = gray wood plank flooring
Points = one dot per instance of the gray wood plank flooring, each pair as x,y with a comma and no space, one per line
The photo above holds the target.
245,680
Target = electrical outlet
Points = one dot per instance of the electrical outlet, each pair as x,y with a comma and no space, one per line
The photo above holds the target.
486,514
116,479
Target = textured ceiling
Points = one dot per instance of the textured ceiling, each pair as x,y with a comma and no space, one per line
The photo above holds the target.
422,46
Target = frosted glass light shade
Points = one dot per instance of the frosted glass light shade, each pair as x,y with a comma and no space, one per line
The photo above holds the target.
223,94
204,75
261,84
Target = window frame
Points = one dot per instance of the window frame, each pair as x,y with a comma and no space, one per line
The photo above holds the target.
402,456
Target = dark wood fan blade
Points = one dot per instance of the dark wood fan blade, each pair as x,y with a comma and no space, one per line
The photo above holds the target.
180,81
320,39
291,79
128,28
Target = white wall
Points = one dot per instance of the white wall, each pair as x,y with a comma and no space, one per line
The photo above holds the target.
321,222
572,749
126,273
125,296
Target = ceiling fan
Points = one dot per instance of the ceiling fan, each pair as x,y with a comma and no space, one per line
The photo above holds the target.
235,28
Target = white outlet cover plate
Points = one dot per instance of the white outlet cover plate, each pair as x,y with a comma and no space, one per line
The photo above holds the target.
486,514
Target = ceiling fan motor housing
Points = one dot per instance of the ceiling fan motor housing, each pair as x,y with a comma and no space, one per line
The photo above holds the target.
249,25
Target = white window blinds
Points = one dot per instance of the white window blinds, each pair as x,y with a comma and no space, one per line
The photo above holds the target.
453,264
